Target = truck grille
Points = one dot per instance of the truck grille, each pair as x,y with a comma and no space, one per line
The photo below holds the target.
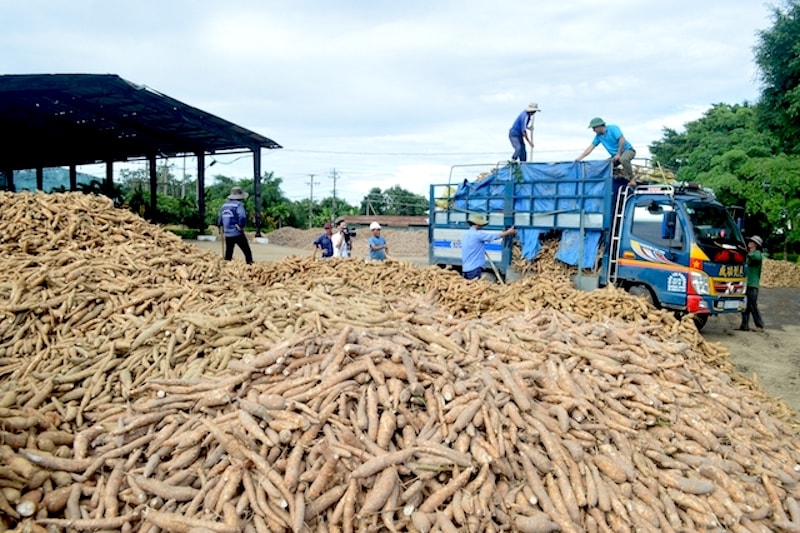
729,287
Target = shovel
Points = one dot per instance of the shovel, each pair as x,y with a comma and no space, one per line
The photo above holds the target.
494,269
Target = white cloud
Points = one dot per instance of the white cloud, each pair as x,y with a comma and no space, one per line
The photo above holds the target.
380,90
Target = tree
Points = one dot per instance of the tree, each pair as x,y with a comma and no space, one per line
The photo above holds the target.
171,208
394,201
373,202
727,151
336,207
278,214
778,56
723,127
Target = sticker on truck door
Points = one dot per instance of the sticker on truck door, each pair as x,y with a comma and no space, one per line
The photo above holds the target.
676,282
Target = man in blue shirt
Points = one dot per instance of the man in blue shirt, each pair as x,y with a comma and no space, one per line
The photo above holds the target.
615,142
518,134
324,242
233,218
377,244
473,246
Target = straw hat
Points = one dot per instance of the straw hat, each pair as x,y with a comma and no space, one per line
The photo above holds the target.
237,194
478,220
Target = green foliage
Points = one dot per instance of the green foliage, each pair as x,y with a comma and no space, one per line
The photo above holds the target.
778,56
331,208
394,201
176,201
189,234
722,128
727,151
791,258
97,187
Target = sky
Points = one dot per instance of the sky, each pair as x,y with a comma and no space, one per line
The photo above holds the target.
378,93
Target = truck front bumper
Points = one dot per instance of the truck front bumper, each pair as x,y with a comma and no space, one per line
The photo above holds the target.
715,305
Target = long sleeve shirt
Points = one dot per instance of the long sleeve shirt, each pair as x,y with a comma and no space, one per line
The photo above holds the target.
473,248
754,260
233,218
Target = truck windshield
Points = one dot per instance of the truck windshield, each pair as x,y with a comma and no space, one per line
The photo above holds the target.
715,231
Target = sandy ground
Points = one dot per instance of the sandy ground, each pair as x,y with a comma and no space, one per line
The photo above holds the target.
772,357
274,252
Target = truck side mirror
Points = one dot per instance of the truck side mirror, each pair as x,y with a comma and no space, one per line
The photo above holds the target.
668,222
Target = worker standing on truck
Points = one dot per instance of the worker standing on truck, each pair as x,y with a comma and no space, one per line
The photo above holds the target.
615,142
473,246
754,259
518,134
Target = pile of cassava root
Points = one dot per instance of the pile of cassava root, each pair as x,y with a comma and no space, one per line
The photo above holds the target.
148,386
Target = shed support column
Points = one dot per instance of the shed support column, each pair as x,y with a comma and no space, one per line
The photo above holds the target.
151,163
73,178
201,192
257,187
39,179
9,175
109,178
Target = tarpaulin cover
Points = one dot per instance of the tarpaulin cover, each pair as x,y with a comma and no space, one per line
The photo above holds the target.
543,188
529,239
570,246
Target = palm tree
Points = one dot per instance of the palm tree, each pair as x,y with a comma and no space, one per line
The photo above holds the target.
280,213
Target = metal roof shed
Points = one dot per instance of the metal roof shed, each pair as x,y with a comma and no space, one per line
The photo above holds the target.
54,120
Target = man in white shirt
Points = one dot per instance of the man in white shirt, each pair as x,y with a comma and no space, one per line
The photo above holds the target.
341,240
339,244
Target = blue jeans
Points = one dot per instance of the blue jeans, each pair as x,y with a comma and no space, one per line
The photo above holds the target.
473,274
519,147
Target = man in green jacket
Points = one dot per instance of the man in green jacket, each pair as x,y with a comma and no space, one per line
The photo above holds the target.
754,260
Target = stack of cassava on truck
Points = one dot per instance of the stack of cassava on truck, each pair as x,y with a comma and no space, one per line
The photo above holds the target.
672,243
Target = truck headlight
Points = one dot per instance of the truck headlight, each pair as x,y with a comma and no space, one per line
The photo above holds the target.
701,283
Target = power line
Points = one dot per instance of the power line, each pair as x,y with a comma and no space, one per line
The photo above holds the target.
418,154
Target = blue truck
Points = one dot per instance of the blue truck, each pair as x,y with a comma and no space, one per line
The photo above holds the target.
673,243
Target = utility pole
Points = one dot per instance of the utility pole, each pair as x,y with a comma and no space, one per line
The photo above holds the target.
334,177
311,201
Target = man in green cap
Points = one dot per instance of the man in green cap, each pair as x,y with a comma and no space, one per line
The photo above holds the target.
615,142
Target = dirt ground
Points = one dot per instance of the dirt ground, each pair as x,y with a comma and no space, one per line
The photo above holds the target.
772,357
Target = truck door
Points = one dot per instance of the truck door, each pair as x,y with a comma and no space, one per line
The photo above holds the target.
650,255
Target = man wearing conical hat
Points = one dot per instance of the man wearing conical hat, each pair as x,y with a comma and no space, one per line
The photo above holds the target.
473,245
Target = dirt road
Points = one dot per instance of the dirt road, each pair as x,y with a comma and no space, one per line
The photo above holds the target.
772,356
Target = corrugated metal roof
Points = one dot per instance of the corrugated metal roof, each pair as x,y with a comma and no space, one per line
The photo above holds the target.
394,221
52,120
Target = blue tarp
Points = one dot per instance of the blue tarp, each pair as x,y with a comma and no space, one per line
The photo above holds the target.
529,239
570,246
543,188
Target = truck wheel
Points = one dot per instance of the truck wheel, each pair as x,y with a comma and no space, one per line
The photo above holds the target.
700,320
641,290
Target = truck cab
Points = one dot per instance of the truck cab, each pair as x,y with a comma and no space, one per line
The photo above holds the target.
680,248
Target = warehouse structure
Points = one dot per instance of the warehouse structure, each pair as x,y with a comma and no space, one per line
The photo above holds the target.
67,120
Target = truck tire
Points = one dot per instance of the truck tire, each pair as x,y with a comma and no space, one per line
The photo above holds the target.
700,320
642,290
